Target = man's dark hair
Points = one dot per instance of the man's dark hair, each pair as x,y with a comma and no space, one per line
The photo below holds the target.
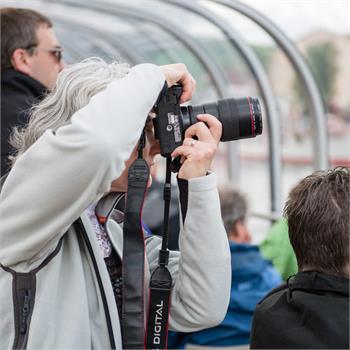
317,211
18,30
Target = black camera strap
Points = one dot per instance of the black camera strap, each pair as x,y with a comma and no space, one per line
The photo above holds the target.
161,282
134,254
134,262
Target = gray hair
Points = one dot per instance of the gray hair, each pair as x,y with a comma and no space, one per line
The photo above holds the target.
233,206
75,86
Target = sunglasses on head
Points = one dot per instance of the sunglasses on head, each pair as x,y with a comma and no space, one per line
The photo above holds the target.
57,52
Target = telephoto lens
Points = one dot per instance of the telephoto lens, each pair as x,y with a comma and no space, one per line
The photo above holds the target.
240,118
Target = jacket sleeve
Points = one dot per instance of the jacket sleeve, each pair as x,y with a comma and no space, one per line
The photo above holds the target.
62,173
202,270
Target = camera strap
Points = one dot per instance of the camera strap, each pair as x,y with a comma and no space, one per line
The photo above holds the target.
134,263
134,254
161,282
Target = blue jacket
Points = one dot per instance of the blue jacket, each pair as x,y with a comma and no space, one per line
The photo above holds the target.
252,278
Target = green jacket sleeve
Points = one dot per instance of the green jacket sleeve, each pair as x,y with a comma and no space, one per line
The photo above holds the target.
277,248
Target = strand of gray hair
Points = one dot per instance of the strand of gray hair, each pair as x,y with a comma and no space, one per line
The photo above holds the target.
75,86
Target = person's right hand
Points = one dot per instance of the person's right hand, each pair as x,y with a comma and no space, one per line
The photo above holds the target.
178,73
197,154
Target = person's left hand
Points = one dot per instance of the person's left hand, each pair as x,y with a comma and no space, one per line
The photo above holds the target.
197,155
177,73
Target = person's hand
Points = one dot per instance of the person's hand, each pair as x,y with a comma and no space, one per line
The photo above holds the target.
197,155
178,73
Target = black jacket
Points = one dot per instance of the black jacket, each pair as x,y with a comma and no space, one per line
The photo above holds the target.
311,311
18,93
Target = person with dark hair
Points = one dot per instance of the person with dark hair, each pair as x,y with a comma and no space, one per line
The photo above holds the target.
311,311
252,278
31,58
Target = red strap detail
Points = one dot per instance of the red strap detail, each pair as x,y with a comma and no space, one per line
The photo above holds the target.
102,219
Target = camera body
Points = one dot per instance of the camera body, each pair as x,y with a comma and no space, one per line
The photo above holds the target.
240,118
168,124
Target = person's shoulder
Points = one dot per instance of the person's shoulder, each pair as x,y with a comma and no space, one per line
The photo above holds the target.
271,297
268,319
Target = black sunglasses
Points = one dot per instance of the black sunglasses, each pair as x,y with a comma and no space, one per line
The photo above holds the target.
57,51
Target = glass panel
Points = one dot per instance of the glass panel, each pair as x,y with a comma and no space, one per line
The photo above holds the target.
240,82
295,120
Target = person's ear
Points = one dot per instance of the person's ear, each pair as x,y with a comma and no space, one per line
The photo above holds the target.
20,60
240,233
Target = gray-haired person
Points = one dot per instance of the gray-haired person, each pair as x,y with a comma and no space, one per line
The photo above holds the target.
74,154
234,210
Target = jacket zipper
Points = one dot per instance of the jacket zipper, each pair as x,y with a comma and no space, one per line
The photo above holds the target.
24,291
24,315
25,312
81,228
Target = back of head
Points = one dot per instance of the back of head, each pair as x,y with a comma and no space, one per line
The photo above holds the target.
317,211
18,30
233,208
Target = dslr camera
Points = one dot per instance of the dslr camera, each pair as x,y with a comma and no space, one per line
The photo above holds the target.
240,118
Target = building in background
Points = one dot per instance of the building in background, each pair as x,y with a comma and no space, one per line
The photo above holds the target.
328,55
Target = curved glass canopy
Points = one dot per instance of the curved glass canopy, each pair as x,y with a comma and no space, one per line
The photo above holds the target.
205,38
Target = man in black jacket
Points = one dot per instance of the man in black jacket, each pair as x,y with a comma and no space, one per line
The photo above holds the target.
312,310
31,59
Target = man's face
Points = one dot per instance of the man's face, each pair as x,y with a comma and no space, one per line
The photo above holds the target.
43,65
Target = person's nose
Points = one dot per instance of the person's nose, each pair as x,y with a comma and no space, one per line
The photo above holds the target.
62,64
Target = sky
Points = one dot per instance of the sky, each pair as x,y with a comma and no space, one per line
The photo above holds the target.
296,17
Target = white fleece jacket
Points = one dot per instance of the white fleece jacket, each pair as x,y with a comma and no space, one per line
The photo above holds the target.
48,189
